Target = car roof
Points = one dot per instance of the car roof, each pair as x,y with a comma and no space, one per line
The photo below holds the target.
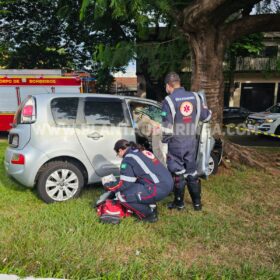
47,96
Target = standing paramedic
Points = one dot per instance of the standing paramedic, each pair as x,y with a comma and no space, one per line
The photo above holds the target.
181,111
143,181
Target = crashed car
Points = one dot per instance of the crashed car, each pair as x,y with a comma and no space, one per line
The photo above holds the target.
59,143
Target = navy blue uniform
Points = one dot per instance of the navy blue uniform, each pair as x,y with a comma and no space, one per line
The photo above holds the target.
179,121
143,181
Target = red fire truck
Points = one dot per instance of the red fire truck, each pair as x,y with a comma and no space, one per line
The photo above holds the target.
16,85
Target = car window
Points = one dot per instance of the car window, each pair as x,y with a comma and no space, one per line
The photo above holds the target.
138,109
64,110
104,113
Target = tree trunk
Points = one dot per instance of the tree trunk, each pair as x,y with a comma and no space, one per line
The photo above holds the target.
208,55
207,59
211,26
154,89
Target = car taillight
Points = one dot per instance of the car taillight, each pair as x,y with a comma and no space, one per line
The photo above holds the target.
28,112
18,159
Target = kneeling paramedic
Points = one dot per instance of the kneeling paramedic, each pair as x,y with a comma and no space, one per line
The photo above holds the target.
143,180
181,112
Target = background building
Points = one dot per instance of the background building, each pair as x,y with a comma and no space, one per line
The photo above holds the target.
125,83
257,78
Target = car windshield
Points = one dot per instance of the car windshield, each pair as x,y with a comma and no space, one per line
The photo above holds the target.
274,109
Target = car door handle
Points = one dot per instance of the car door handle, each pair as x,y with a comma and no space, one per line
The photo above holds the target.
95,136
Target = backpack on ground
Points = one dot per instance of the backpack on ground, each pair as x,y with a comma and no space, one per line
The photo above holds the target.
111,211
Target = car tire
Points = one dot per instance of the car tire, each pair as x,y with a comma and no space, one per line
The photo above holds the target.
59,181
277,131
213,164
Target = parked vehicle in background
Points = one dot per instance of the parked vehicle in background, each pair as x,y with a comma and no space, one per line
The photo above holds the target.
268,121
16,85
61,142
235,115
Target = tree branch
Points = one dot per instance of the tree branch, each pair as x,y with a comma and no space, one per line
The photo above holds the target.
230,7
251,24
198,12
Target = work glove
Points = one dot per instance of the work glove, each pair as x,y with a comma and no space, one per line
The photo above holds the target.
107,186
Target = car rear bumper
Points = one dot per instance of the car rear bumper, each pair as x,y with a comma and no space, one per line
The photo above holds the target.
25,173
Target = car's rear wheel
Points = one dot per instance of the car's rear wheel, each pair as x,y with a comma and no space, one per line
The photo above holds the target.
213,164
59,181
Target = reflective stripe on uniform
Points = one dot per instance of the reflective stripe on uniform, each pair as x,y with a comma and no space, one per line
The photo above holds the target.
128,179
198,109
139,196
190,174
209,117
180,172
167,130
120,197
144,167
171,106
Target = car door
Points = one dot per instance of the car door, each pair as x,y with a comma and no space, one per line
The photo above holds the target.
151,111
101,122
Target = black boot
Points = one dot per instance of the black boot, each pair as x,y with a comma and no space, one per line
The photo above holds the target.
194,187
153,217
179,192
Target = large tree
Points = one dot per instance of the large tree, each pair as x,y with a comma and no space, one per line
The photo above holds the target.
209,28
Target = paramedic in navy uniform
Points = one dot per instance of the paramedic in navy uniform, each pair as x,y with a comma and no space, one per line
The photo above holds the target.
143,181
179,120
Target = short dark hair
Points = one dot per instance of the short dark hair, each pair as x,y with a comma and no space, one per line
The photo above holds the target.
123,144
171,78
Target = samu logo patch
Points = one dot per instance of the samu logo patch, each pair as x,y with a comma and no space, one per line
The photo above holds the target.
186,108
123,166
148,154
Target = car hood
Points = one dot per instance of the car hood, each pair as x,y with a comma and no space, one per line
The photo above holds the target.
264,115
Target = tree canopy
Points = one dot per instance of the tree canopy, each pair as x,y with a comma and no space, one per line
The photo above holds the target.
162,35
45,34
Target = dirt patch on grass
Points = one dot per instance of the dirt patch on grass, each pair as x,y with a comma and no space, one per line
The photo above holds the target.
192,254
249,252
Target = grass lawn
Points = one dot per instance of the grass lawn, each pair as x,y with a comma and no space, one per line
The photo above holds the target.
236,236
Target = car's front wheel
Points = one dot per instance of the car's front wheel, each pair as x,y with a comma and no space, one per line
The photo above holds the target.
213,164
59,181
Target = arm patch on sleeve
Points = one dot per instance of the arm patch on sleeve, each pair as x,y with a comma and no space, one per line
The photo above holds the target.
163,114
123,166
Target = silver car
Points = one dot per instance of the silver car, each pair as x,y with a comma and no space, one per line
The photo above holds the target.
61,142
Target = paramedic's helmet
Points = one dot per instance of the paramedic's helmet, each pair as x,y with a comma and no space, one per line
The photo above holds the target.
121,144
